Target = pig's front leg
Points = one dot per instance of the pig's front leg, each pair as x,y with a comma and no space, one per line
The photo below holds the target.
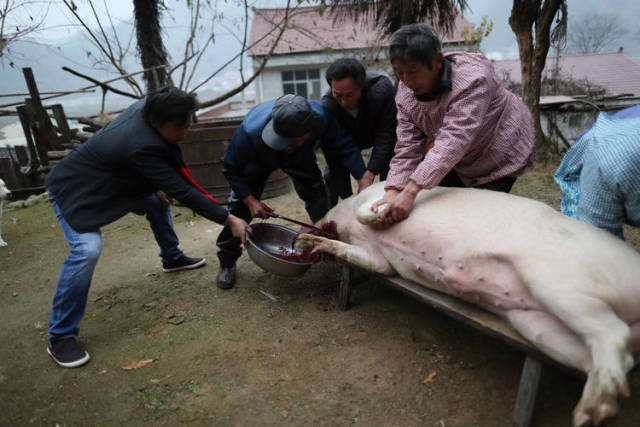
365,258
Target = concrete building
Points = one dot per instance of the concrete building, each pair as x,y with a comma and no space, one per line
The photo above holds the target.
311,42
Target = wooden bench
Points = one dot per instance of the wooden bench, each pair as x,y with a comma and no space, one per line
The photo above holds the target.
478,318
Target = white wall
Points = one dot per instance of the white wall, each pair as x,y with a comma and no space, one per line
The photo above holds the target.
269,82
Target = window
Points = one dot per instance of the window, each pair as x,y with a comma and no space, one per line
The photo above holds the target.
302,82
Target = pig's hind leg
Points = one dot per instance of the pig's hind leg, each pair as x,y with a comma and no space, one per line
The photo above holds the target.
549,334
606,336
367,259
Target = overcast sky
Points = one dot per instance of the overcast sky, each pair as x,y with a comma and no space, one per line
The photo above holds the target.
62,34
501,42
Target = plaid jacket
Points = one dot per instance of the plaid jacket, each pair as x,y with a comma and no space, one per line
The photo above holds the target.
479,129
599,176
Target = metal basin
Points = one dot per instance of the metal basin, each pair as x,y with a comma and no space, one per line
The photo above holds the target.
270,247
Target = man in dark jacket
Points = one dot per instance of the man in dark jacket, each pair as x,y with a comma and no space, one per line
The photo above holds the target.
134,165
363,103
280,134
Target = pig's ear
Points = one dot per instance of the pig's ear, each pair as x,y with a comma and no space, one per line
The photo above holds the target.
365,215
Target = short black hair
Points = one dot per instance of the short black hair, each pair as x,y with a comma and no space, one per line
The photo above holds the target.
346,67
170,104
414,41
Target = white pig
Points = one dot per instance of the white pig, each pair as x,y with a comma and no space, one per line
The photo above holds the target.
569,288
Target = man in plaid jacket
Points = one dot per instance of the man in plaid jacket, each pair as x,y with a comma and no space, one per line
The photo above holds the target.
457,125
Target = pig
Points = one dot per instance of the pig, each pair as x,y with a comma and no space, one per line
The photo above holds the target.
569,288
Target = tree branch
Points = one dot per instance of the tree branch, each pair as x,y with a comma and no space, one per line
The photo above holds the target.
189,44
104,86
229,94
132,83
243,50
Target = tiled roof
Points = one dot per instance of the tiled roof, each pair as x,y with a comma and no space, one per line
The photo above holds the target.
311,32
615,72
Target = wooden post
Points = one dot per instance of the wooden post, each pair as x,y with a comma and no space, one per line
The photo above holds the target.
25,171
21,155
25,121
32,124
344,289
527,391
31,85
43,132
61,119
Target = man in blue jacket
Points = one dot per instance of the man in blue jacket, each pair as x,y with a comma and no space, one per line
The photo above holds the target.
280,134
599,176
133,164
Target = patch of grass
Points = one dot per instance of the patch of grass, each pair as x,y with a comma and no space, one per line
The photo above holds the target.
182,214
193,386
152,398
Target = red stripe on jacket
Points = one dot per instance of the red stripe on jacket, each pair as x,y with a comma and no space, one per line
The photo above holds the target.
186,174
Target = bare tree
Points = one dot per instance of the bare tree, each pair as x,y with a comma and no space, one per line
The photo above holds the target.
112,51
18,20
595,31
192,48
150,44
278,27
536,24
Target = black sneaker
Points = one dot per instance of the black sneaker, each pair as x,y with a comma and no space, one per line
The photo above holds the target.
183,263
67,353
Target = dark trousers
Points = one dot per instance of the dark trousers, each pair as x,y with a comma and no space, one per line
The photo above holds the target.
308,185
338,181
503,184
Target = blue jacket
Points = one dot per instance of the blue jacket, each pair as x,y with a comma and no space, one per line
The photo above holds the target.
248,161
599,176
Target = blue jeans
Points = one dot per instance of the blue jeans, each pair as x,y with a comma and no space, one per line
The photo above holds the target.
70,299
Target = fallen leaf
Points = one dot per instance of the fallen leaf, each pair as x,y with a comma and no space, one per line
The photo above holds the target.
430,377
137,364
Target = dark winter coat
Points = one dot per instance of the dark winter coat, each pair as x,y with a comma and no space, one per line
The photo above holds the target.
117,169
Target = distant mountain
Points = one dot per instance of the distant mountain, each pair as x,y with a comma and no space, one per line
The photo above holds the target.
76,52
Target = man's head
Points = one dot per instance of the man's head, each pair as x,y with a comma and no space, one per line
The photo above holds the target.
171,112
346,77
416,56
291,123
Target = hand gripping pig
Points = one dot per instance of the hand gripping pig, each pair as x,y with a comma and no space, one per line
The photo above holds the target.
569,288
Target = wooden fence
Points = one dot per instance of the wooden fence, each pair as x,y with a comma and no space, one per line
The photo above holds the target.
23,168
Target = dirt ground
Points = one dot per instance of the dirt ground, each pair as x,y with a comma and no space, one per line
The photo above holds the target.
240,358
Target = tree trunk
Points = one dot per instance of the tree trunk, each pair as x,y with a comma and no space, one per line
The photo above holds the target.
150,46
525,16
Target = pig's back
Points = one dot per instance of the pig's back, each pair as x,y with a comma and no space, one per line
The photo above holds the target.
459,223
